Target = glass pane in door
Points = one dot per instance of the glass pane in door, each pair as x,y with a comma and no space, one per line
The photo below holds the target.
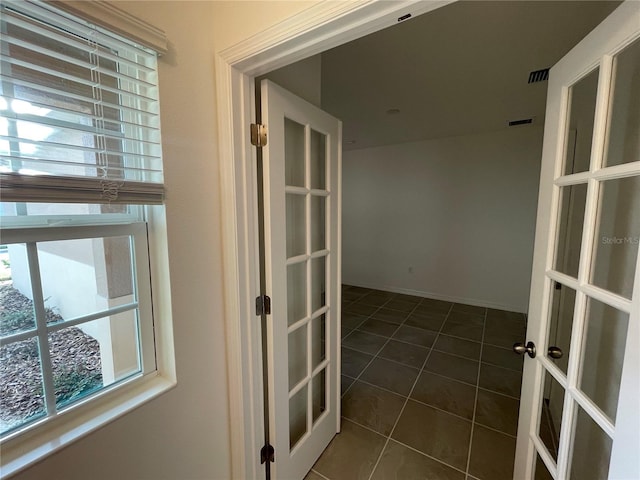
582,111
319,387
318,222
298,416
296,292
542,472
318,282
549,426
294,163
591,449
563,302
318,160
318,340
617,236
623,143
570,226
297,356
603,355
296,225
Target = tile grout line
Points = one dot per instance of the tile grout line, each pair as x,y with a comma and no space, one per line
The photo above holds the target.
475,402
375,466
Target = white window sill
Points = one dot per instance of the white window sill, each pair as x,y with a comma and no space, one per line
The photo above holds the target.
32,446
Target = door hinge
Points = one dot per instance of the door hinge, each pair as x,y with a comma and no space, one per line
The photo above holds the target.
258,135
263,305
267,454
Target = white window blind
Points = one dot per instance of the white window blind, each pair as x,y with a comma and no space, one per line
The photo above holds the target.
79,113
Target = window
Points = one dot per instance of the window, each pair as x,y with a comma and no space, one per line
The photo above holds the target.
80,183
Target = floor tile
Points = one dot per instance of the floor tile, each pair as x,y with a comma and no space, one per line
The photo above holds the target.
504,325
411,355
344,332
450,366
466,318
457,346
360,290
360,309
345,382
503,339
390,375
352,453
348,296
492,455
500,380
445,394
427,321
435,433
497,411
417,336
391,316
378,327
374,299
407,298
352,320
460,307
364,342
401,463
505,315
432,305
502,357
372,407
460,327
353,362
400,305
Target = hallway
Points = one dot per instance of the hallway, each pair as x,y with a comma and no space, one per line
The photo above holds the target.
430,389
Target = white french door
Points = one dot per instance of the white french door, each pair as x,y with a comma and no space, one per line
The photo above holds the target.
301,164
580,407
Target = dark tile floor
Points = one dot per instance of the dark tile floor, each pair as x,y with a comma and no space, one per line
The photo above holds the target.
430,390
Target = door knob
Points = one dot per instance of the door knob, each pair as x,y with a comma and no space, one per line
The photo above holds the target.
554,352
529,349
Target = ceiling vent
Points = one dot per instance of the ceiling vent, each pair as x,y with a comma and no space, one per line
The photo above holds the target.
539,76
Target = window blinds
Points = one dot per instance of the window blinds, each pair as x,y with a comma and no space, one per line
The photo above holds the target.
79,113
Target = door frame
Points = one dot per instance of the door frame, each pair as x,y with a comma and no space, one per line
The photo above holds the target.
322,26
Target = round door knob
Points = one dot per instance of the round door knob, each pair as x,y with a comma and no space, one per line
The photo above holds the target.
529,349
554,352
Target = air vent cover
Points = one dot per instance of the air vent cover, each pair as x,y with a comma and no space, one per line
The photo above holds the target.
539,76
524,121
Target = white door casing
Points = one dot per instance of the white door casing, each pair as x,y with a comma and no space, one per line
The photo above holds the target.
587,399
302,169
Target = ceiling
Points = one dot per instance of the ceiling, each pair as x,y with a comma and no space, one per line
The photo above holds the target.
459,70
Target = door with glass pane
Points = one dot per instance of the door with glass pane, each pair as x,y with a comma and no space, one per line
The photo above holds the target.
579,416
301,164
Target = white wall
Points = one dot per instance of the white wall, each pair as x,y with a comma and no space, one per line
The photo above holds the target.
459,212
184,434
303,78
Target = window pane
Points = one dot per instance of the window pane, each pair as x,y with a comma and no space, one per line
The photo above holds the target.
580,127
85,276
294,153
618,236
296,225
16,308
591,449
318,340
570,223
604,354
21,390
93,355
542,473
623,131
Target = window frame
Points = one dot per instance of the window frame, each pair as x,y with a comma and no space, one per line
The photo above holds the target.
26,446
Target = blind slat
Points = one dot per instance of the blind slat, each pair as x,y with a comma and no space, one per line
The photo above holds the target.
85,128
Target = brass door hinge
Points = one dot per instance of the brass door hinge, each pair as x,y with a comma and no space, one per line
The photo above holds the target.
258,135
